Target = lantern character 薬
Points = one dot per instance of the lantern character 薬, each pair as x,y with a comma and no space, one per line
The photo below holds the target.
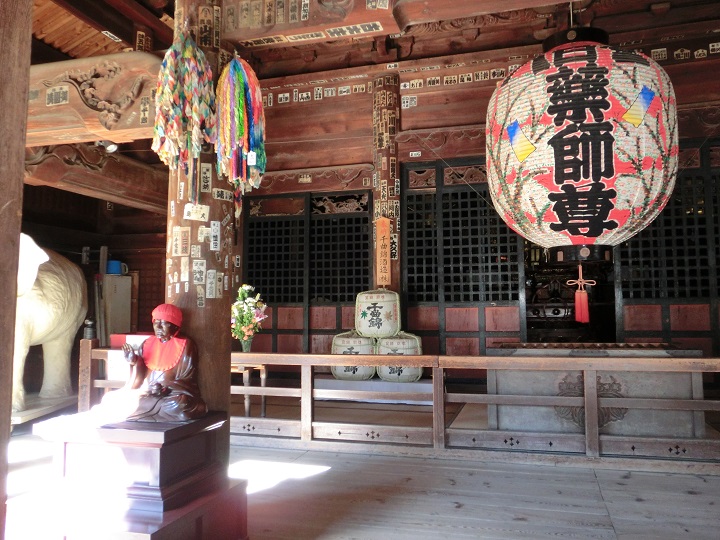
582,148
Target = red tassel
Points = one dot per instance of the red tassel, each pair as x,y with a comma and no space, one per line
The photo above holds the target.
582,311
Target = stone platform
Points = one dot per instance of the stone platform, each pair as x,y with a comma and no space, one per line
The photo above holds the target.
634,422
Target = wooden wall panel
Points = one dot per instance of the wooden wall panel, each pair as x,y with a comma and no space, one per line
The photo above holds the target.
336,152
323,318
502,319
462,320
323,133
643,318
290,318
348,317
692,317
423,318
457,346
321,343
455,106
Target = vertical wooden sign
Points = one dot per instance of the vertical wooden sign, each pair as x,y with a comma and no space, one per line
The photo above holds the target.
382,251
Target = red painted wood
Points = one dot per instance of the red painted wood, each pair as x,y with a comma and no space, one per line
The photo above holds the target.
502,319
693,317
643,317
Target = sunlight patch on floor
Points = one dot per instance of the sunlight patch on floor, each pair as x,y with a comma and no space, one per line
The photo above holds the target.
263,475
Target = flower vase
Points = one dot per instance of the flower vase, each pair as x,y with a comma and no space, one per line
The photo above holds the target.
246,343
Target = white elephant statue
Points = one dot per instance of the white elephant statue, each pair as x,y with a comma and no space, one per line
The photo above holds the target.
51,306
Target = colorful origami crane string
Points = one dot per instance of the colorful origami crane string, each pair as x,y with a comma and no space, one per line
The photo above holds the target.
184,108
240,145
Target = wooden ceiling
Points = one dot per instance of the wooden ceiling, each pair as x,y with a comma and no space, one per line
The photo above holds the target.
288,38
285,37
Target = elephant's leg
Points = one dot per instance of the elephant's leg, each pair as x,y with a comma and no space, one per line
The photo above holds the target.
22,346
56,373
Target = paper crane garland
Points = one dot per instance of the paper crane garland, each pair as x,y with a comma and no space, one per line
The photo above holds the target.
240,145
184,103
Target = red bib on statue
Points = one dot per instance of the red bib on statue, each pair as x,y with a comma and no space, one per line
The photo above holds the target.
161,356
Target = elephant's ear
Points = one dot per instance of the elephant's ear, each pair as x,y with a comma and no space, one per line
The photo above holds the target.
30,259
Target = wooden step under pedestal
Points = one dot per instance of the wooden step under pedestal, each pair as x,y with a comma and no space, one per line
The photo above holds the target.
62,513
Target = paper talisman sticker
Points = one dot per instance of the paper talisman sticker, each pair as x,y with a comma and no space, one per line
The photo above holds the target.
180,241
203,233
196,212
215,236
200,296
205,177
199,271
211,284
219,285
222,194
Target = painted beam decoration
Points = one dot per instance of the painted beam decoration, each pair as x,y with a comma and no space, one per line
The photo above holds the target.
582,145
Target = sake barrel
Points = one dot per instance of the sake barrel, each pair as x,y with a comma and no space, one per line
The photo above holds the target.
402,343
377,313
350,343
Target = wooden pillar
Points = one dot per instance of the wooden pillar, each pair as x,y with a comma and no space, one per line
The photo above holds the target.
386,119
15,35
200,239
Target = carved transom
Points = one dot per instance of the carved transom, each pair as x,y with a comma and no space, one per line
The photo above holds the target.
465,175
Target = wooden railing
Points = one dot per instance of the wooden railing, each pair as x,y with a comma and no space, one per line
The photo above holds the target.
699,451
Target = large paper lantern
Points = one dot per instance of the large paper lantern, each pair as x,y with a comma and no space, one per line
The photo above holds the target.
582,147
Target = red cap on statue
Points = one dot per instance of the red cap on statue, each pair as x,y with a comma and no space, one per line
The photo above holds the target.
169,313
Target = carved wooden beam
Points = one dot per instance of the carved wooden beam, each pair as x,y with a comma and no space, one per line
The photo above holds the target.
89,99
318,179
441,143
263,24
90,171
411,12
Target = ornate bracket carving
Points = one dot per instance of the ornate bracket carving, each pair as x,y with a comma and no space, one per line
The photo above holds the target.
88,84
93,158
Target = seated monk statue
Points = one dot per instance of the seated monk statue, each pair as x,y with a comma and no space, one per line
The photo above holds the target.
163,379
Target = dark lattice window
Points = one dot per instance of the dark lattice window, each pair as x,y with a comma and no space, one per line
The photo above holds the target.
479,251
275,255
341,256
671,257
333,264
421,248
463,248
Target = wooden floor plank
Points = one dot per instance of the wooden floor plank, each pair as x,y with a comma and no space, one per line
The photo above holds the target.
365,496
307,495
